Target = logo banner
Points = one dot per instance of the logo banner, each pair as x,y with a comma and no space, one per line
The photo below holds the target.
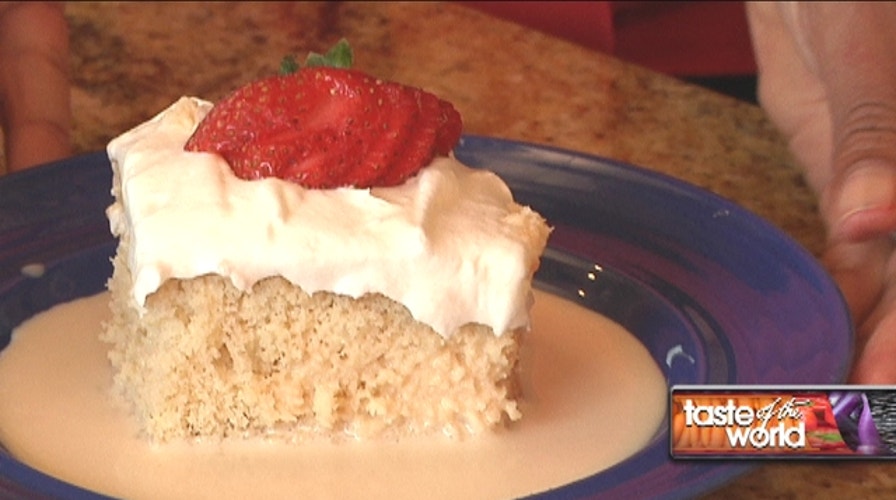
782,421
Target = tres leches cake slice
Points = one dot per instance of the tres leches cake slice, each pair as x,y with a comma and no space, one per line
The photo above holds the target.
307,259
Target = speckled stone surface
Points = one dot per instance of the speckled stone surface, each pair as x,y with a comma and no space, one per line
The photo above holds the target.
131,60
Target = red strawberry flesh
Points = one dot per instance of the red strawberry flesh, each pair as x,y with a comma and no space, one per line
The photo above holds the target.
327,127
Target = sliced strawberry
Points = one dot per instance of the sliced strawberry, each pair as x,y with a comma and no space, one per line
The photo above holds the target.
417,148
308,161
326,127
449,129
393,123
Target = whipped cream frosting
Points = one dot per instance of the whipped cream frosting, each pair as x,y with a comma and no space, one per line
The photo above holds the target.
450,243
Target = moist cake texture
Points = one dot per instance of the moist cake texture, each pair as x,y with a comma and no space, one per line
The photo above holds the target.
244,308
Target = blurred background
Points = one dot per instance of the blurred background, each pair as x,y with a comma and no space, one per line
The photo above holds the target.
706,43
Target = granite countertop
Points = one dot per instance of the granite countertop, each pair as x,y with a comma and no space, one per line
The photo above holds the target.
131,60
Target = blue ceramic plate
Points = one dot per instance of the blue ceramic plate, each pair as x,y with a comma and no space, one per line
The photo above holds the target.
717,295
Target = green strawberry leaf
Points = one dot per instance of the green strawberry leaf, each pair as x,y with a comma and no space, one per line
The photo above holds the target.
289,65
339,56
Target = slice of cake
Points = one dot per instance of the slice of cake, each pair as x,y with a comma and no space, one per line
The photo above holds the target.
255,294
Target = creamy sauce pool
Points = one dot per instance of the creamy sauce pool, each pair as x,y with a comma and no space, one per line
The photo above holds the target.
592,400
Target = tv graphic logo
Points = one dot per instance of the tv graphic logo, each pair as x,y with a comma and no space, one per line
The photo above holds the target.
745,425
743,421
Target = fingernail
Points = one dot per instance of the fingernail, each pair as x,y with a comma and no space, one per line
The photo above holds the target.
866,188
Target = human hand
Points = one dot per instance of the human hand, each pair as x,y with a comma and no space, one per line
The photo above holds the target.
827,78
35,101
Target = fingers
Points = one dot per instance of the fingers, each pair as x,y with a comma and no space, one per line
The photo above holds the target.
860,272
876,344
34,83
866,275
874,358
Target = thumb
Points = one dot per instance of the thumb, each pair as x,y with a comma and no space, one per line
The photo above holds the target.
852,47
861,200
